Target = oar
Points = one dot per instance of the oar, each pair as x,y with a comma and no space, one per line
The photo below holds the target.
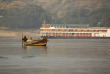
22,40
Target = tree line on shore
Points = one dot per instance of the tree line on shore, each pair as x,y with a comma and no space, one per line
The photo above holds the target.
32,16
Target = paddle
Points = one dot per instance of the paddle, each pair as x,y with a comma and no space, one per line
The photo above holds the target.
22,40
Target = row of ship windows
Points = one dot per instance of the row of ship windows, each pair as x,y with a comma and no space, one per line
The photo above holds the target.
71,30
66,34
46,26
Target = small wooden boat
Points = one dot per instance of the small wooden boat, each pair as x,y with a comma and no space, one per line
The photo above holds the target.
42,42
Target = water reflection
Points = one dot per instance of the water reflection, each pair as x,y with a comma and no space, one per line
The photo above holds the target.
31,47
33,51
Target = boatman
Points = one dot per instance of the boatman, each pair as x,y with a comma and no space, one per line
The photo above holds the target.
24,39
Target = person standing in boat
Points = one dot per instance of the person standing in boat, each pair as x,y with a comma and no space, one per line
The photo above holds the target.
24,39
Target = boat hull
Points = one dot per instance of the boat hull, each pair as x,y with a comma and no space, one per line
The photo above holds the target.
38,44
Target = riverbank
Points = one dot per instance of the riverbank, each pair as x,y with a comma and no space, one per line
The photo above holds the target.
18,33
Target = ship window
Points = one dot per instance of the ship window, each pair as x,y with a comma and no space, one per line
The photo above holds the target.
46,33
75,30
53,29
94,30
59,29
88,30
65,30
67,26
72,33
70,29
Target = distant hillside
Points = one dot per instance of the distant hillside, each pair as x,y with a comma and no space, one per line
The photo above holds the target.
57,7
18,14
61,7
28,13
78,11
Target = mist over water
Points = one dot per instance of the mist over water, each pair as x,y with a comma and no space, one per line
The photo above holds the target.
62,56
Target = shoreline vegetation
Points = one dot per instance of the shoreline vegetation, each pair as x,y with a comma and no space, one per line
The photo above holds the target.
18,33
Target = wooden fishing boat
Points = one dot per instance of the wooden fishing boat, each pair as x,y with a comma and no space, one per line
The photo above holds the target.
41,42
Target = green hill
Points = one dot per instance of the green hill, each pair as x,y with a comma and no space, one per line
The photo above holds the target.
18,14
61,7
32,13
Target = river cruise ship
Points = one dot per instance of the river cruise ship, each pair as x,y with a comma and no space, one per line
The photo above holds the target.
74,31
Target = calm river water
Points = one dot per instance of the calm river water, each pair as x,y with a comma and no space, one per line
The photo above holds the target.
77,56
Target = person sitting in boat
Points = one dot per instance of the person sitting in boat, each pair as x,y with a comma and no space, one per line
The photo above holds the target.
29,41
24,39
